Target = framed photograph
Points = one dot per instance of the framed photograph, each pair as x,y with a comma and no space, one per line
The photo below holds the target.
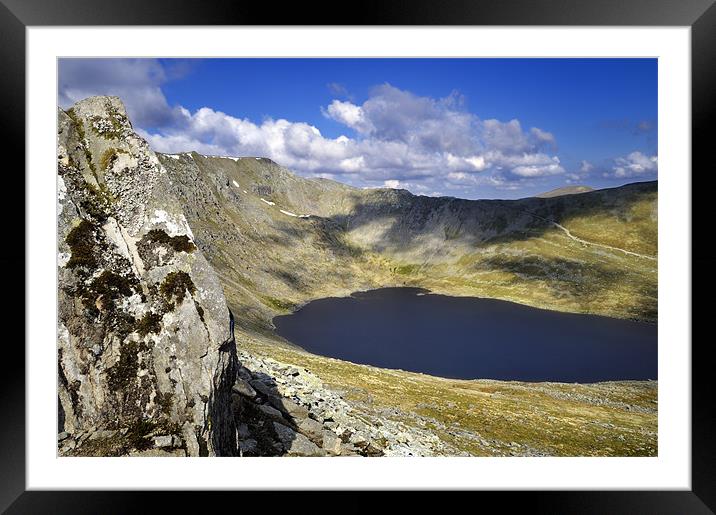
431,240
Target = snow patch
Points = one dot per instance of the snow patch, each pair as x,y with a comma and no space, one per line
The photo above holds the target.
289,213
236,184
268,202
61,194
133,305
62,259
61,188
114,234
173,156
174,225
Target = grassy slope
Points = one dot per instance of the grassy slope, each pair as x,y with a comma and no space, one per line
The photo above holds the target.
537,264
494,418
270,262
548,270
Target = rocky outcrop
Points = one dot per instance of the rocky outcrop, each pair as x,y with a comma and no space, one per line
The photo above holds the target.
147,355
277,240
287,411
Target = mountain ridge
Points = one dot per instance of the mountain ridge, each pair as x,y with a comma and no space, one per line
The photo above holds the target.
401,237
566,190
271,241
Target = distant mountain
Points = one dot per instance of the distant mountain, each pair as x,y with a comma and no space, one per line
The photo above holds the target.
156,250
565,190
277,240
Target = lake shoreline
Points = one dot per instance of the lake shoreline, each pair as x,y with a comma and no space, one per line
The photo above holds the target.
598,354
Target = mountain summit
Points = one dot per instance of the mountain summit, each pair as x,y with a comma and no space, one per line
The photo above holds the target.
172,267
566,190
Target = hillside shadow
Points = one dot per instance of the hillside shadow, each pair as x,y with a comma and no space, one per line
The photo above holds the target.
272,424
289,278
569,276
220,405
469,222
244,408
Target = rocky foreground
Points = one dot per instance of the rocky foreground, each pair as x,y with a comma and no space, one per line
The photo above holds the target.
280,410
171,268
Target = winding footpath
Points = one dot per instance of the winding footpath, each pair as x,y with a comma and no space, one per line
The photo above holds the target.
585,242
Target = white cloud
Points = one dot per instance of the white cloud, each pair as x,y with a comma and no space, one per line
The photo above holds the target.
505,136
543,137
471,163
535,164
538,170
338,89
302,147
635,164
391,183
394,135
136,81
585,167
353,164
584,171
349,115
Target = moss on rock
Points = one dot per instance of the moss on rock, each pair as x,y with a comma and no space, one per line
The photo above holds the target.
80,129
109,156
180,243
175,286
122,374
149,323
81,240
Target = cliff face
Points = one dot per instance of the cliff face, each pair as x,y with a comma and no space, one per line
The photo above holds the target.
147,355
277,240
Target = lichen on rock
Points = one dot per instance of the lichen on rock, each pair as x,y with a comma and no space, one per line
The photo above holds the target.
140,368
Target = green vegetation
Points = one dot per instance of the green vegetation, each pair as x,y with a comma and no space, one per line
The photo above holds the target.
80,129
124,372
77,123
149,323
487,418
158,239
407,269
629,225
116,121
97,202
278,304
499,223
175,286
112,286
451,233
136,437
109,156
102,294
165,401
81,240
180,243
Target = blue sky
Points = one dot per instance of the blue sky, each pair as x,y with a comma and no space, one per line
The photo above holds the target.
472,128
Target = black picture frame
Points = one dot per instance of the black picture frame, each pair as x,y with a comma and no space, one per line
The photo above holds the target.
700,15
